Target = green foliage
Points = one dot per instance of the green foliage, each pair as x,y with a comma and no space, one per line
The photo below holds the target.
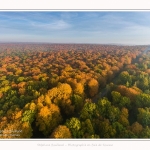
88,111
28,116
143,82
77,102
125,78
21,79
145,133
142,100
90,107
105,129
52,82
1,113
87,128
113,113
120,129
144,116
5,83
5,88
74,125
3,78
119,100
103,106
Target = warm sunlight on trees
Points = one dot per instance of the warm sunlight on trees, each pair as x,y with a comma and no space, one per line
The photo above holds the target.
48,118
74,91
93,86
61,132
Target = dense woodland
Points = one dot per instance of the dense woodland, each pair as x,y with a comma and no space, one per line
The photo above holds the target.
74,91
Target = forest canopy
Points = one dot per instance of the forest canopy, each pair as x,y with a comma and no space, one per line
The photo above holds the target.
74,91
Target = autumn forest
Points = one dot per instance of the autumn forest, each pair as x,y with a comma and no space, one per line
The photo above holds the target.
74,91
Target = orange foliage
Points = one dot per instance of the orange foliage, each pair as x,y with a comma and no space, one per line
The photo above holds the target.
93,86
128,92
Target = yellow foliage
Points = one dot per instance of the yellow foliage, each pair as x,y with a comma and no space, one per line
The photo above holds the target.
79,89
124,112
48,118
47,100
39,106
18,115
72,82
61,132
40,99
123,120
93,87
52,93
63,91
32,106
44,112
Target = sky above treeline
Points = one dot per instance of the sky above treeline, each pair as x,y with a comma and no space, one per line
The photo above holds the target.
100,27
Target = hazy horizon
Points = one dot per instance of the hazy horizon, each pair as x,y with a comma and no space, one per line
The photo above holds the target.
115,44
101,27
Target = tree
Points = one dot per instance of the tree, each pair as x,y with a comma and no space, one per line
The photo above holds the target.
124,77
78,102
136,128
61,132
48,118
131,92
61,96
89,111
142,100
26,130
144,116
87,128
120,130
113,113
105,129
62,92
143,82
93,86
74,125
119,100
103,106
28,116
79,89
145,133
53,82
67,109
123,119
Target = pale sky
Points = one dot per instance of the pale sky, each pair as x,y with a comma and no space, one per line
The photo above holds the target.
107,27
